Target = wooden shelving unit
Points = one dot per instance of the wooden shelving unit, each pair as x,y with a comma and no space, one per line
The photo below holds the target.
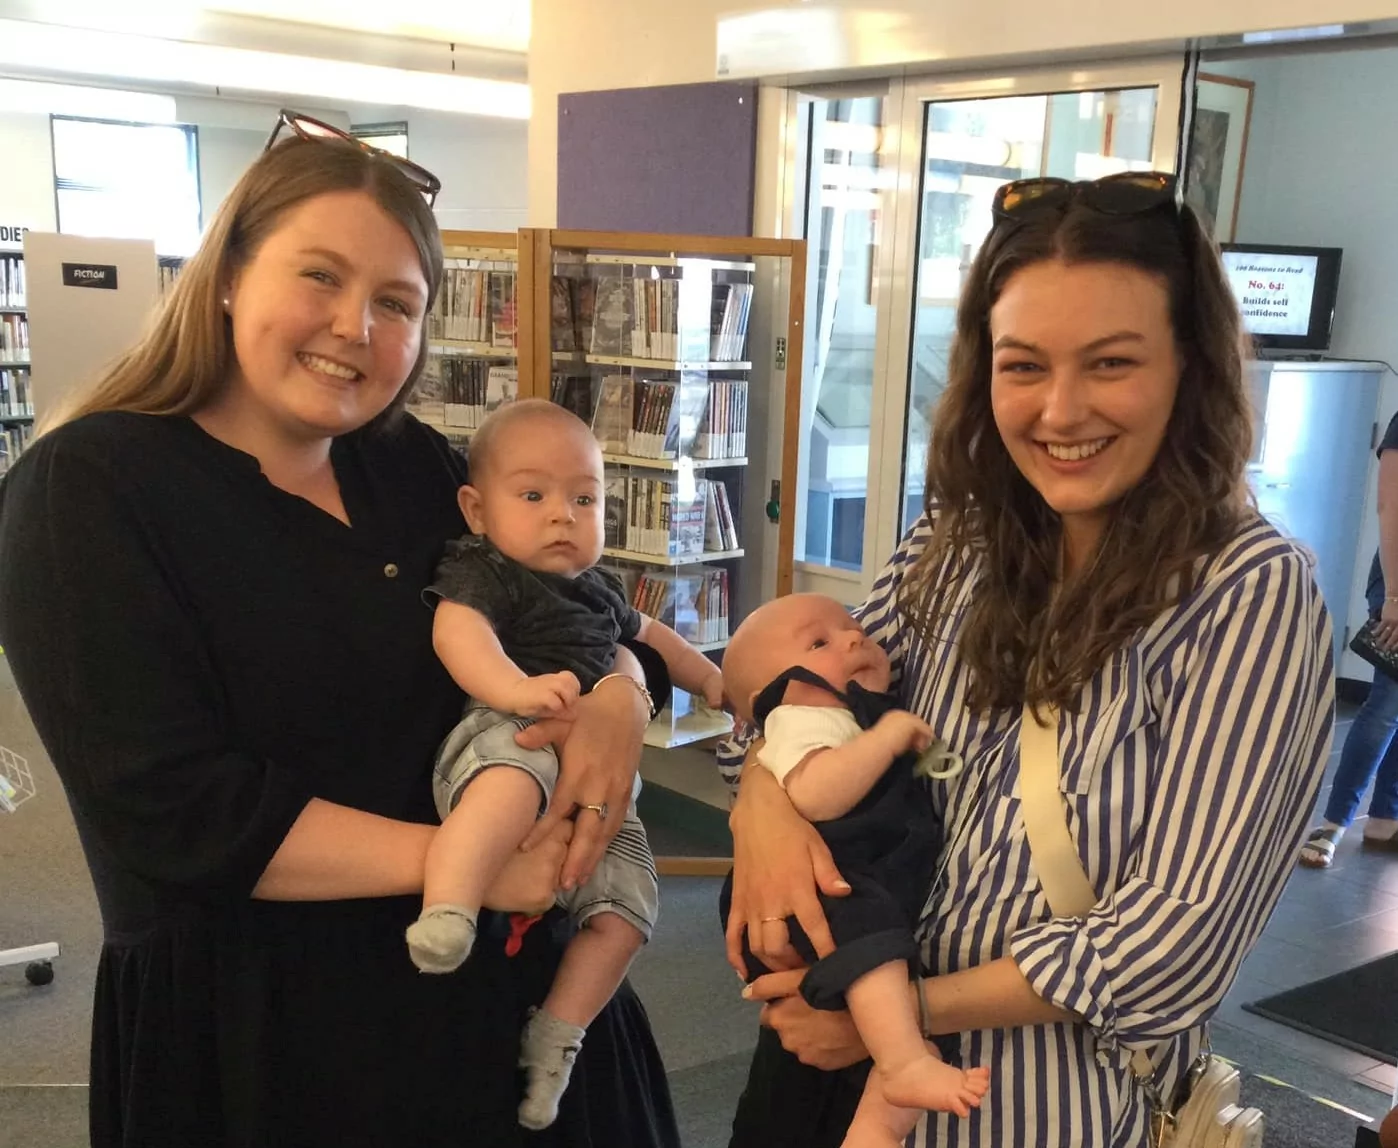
536,257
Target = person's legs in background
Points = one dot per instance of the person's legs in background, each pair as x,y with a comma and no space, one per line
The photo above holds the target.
1369,749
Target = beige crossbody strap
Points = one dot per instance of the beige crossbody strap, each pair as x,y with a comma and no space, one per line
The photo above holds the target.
1051,845
1069,892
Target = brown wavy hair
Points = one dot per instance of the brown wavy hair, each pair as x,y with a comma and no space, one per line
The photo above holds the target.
1023,637
181,362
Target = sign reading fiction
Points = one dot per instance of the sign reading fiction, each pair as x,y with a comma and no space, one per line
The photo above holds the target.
1274,292
100,275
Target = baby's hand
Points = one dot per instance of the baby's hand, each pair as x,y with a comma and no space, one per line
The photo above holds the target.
547,695
905,732
712,689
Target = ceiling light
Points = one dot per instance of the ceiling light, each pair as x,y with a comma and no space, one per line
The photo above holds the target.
91,103
1293,35
32,47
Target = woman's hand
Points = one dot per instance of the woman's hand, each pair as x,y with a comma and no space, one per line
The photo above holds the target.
822,1039
778,862
1386,632
599,749
529,881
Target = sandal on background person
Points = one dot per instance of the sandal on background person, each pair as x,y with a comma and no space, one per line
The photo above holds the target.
1318,851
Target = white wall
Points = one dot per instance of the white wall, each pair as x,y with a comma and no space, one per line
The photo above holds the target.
26,189
1320,164
224,154
483,165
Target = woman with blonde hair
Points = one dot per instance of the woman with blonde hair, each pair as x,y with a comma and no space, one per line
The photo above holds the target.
1088,552
213,567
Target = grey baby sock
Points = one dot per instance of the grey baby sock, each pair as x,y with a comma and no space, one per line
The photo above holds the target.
547,1050
441,938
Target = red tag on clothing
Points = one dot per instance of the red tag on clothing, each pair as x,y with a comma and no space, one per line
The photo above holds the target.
520,923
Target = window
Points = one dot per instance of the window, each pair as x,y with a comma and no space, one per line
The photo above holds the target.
128,181
387,137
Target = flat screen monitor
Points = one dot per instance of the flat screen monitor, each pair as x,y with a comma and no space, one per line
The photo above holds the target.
1286,294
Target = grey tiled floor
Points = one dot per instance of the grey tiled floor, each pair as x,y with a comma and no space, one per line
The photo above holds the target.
1328,921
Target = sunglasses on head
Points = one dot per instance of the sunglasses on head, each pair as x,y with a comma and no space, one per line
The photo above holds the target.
309,128
1125,193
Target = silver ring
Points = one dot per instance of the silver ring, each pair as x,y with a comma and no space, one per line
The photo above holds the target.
600,809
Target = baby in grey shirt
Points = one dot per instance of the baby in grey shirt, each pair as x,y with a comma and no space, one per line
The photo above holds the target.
526,624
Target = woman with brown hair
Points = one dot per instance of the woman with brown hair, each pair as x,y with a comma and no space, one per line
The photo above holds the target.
1088,545
212,605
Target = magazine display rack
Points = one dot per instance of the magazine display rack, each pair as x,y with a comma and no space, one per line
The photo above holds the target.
17,787
650,340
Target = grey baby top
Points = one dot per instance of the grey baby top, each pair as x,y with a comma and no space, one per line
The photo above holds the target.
545,622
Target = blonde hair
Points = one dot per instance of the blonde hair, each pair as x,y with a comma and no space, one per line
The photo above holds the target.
182,360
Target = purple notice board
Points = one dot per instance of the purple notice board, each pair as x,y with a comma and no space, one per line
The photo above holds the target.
677,159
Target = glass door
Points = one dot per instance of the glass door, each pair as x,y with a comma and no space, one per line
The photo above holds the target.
892,193
848,158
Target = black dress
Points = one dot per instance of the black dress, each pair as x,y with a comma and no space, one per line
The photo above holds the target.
201,653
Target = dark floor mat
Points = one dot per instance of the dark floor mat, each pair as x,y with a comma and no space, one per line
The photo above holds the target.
1357,1009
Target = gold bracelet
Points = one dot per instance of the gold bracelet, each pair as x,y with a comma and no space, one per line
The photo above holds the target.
645,693
923,1020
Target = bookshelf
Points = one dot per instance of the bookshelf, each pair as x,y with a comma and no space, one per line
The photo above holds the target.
475,352
691,374
16,398
168,268
650,339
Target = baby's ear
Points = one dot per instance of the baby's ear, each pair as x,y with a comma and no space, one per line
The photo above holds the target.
471,503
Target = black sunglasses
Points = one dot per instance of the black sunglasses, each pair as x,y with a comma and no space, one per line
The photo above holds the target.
1125,193
309,128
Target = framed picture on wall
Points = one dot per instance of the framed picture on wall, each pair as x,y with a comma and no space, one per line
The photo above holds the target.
1218,148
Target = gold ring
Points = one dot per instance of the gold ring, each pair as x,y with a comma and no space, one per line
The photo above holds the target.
766,919
600,809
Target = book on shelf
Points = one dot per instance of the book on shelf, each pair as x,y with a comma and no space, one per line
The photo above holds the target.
661,319
611,318
612,418
669,418
169,268
563,332
476,305
503,316
615,513
12,281
471,388
665,516
574,392
728,327
16,400
720,531
723,429
692,602
14,338
13,440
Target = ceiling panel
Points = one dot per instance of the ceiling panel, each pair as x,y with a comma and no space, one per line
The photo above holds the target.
502,24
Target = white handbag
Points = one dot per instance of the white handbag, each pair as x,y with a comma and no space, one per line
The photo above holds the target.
1204,1111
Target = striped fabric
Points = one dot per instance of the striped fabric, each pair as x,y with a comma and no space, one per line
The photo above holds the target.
1190,768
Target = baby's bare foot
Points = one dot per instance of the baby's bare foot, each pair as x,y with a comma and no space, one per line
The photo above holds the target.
931,1085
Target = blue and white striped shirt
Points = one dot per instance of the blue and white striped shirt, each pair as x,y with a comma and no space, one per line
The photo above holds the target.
1190,767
